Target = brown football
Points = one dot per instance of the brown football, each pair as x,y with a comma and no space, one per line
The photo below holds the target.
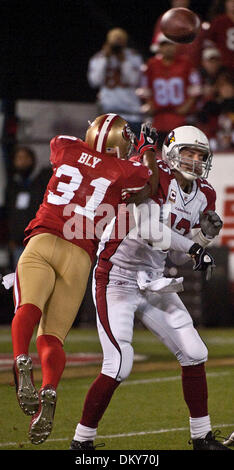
180,25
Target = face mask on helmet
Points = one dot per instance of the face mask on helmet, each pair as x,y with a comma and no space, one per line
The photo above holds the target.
180,147
110,134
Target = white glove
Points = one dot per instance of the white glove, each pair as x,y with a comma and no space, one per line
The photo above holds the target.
8,280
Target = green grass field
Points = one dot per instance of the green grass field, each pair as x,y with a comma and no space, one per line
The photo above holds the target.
146,412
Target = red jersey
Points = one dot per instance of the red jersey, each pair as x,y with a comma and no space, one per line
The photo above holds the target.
221,33
84,192
170,89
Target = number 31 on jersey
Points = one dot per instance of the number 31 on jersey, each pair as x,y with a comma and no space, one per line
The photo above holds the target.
68,191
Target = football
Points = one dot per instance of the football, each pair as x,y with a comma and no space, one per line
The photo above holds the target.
180,25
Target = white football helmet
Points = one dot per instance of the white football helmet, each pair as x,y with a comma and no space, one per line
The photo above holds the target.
193,138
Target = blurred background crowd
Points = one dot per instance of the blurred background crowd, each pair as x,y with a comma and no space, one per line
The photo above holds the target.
118,61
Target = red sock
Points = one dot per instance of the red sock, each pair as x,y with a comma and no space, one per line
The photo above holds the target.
97,400
53,359
195,390
26,318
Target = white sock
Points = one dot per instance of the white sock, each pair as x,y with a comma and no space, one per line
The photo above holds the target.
83,433
199,427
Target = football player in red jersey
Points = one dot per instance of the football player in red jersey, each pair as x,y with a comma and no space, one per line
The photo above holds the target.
129,279
173,84
221,34
52,272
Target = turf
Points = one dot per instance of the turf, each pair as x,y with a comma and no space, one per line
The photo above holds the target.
146,412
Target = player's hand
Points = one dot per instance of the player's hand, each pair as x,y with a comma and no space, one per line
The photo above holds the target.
210,223
148,139
203,261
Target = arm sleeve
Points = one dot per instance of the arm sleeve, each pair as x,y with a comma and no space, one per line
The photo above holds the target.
135,179
150,228
179,258
209,203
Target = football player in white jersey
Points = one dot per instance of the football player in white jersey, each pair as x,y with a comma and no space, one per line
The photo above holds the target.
129,279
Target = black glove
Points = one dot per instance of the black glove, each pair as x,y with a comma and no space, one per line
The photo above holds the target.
148,139
203,261
210,223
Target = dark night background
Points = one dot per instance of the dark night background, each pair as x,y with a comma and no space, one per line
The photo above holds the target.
46,45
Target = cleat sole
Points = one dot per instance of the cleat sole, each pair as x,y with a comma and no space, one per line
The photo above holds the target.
26,393
41,425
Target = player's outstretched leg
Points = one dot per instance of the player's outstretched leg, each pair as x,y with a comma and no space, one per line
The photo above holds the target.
96,402
52,357
26,318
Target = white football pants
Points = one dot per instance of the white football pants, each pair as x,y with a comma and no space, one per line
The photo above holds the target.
118,298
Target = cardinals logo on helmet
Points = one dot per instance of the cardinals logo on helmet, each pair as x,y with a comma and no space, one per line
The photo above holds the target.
170,138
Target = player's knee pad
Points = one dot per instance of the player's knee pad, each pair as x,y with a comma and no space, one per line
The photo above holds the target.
127,354
119,364
196,353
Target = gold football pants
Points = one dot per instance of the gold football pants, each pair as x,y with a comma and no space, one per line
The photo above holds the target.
52,274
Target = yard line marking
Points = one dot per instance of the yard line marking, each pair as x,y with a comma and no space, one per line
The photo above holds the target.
112,436
22,443
159,431
168,379
160,379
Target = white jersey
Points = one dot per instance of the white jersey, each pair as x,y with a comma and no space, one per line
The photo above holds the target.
136,254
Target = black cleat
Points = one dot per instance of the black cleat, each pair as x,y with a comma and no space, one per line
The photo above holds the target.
208,443
85,445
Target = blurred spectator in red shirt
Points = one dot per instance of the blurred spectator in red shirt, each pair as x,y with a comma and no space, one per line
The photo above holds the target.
173,86
193,49
225,132
211,66
221,34
217,115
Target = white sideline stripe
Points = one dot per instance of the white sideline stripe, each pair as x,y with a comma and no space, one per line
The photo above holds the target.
169,379
112,436
159,431
162,379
